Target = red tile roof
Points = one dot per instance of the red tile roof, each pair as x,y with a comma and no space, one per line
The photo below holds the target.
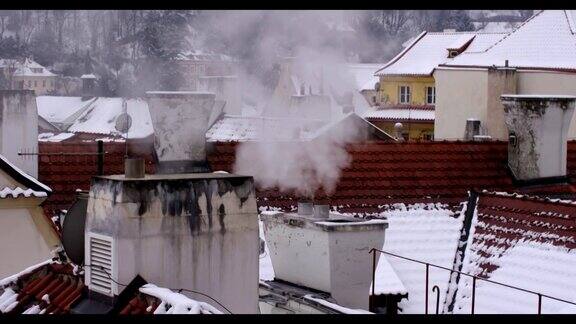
380,173
412,172
55,280
503,220
524,241
141,304
66,173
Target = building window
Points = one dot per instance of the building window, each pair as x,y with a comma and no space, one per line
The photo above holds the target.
44,83
35,84
430,95
404,94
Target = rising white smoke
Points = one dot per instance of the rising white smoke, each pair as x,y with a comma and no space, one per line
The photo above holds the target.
297,148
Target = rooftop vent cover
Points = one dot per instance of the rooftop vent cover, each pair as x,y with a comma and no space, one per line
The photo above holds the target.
102,268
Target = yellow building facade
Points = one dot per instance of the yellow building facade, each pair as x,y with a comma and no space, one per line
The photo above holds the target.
421,90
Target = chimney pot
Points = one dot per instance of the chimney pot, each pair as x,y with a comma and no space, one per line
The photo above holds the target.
472,129
321,211
134,168
305,208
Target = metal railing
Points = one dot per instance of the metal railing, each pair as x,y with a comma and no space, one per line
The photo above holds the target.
474,279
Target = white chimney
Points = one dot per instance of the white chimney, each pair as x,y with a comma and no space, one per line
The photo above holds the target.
330,255
537,129
19,129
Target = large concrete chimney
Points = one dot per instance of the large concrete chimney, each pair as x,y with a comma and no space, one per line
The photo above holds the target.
180,120
196,231
537,128
329,255
19,129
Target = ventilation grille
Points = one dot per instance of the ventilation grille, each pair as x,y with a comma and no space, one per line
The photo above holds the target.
102,269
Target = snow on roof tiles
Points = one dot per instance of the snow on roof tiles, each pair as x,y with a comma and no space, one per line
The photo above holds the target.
17,191
57,109
520,241
176,303
24,179
100,118
546,40
97,115
401,114
243,128
387,280
431,49
428,233
47,288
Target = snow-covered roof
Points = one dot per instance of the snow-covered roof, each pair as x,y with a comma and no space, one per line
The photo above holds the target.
387,280
97,115
431,48
522,241
364,75
401,114
232,128
425,232
27,67
51,137
33,187
56,109
546,40
176,303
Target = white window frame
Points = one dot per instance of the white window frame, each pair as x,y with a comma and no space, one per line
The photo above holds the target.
433,95
404,94
88,269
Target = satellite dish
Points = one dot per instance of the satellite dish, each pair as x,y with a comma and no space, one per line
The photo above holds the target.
73,228
123,123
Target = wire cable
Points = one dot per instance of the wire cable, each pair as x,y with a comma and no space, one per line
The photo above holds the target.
179,290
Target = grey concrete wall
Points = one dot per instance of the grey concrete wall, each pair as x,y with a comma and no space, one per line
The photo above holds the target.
500,81
459,95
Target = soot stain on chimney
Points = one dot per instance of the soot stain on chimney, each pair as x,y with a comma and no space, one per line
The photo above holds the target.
221,215
179,197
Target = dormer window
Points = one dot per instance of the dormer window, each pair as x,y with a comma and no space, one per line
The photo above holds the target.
452,53
37,70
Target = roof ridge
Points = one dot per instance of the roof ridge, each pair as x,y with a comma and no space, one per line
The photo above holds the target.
512,32
397,57
21,176
540,199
